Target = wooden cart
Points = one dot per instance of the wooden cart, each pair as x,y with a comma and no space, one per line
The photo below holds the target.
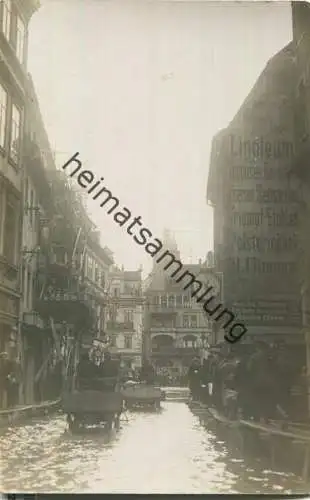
93,407
142,395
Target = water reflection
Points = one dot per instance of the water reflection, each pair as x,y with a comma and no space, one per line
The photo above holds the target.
171,452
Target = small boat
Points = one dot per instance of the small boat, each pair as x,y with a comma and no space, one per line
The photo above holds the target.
137,394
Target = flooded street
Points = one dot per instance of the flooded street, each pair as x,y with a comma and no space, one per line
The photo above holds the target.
167,452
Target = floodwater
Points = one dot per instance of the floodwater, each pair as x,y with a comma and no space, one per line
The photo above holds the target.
168,452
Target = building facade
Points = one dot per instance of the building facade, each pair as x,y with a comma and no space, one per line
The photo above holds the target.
176,326
96,264
37,207
64,267
256,205
15,17
300,168
124,324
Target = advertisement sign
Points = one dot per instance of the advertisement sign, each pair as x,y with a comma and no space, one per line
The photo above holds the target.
271,312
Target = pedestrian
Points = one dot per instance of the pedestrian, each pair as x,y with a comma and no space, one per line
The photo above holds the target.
205,379
57,380
13,379
147,373
193,377
262,372
86,372
109,370
4,372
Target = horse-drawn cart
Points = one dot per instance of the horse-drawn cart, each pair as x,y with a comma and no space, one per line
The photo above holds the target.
93,407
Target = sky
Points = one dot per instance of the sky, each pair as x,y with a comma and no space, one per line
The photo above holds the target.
139,88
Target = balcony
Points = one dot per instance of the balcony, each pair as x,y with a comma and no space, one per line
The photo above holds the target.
171,308
96,291
120,326
65,305
174,351
128,300
166,328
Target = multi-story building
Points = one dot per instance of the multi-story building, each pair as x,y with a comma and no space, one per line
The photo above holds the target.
300,167
256,207
176,326
125,315
71,274
96,264
14,18
37,206
64,268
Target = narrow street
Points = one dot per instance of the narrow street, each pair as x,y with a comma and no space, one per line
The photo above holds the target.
169,452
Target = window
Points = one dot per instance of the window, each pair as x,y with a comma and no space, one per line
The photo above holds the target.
6,17
102,279
29,290
128,316
24,287
156,300
179,300
26,193
186,321
190,342
113,341
20,39
10,230
128,342
15,134
115,292
3,108
31,206
97,276
186,301
89,267
171,301
194,321
163,301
